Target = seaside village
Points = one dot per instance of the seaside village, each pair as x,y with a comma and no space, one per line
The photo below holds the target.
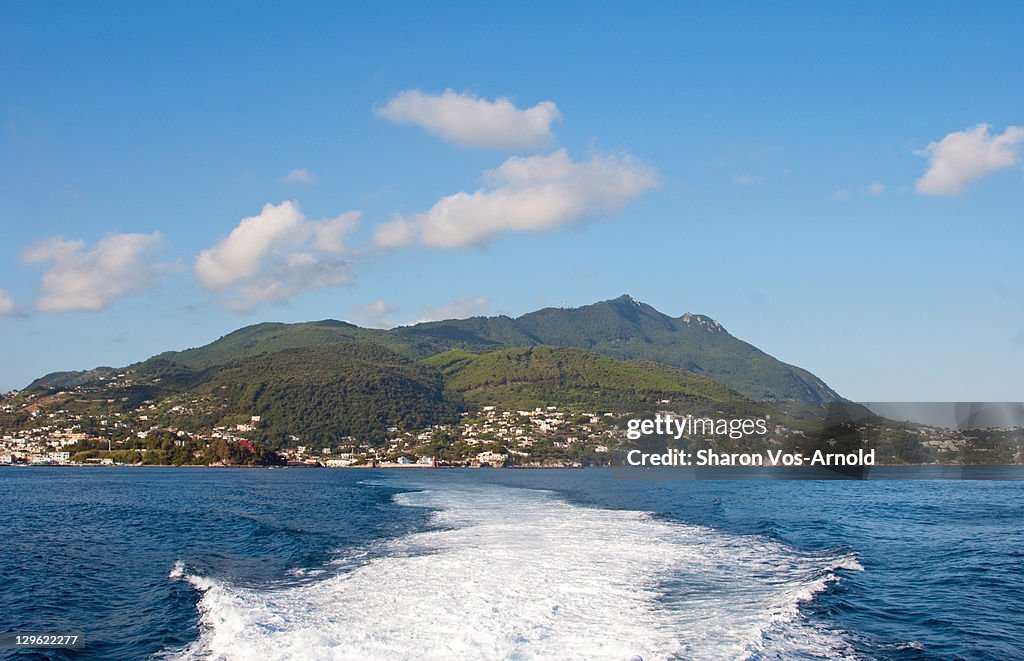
488,438
49,433
82,426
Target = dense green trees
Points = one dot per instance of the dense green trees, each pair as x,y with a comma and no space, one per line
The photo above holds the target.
323,394
317,383
621,328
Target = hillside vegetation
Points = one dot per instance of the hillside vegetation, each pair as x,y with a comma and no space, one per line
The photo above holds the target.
325,380
528,377
622,328
332,391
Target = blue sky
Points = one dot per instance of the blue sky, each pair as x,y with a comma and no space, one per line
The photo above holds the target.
840,184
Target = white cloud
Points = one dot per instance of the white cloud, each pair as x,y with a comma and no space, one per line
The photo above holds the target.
747,179
394,233
374,315
299,176
460,309
7,305
330,234
525,194
473,122
276,255
293,274
876,189
91,279
241,255
380,313
964,156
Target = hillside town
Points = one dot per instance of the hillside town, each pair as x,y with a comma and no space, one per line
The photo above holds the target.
44,429
75,427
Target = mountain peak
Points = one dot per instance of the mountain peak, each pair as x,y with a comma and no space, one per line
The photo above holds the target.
701,320
630,306
626,302
627,298
625,307
621,328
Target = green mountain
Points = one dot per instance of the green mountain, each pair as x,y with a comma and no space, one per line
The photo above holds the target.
528,377
330,391
320,393
622,328
626,329
317,383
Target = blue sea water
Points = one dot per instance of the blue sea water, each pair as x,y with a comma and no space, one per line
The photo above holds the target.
504,564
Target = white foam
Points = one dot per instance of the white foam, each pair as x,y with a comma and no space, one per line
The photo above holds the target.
302,572
521,574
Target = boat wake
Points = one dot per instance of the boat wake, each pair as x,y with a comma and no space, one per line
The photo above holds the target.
521,574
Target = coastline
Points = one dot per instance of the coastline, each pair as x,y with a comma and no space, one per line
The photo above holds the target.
924,471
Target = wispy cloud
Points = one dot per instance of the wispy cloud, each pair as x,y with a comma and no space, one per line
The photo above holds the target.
874,189
460,309
380,313
474,122
275,255
841,195
92,279
524,194
965,156
7,305
395,233
300,176
748,179
375,315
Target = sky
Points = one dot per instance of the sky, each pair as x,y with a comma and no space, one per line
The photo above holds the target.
840,184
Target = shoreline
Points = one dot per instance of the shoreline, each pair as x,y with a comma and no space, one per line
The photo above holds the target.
423,466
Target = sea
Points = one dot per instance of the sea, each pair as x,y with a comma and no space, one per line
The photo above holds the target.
289,563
